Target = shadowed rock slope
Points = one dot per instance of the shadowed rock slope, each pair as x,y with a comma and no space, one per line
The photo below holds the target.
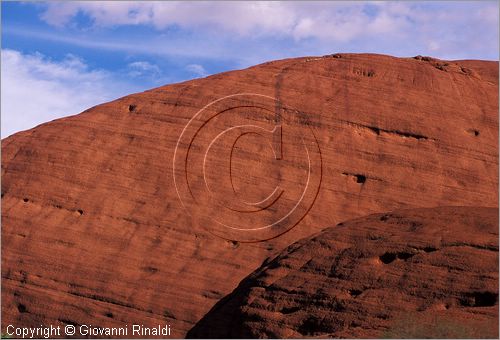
421,273
93,228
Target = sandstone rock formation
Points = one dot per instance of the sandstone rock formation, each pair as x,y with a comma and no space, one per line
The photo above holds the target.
421,273
94,225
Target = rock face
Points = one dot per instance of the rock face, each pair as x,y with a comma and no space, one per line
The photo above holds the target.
151,208
422,273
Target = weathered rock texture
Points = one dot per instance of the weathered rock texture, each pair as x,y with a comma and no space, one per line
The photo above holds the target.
93,231
421,273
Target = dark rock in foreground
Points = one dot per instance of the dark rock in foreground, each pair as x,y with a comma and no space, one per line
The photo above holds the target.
410,273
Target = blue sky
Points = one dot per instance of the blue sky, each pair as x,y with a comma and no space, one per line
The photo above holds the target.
68,56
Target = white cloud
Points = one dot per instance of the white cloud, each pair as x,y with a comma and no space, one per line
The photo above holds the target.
325,20
197,69
143,68
241,17
252,32
60,13
390,23
36,89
